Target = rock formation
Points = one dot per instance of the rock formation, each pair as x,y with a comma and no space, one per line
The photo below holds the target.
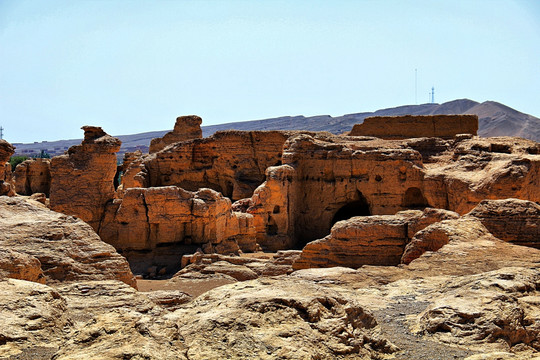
231,162
278,319
82,180
33,176
324,179
6,150
66,249
513,220
174,222
417,126
186,128
370,240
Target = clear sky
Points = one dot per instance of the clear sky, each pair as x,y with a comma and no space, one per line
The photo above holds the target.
134,66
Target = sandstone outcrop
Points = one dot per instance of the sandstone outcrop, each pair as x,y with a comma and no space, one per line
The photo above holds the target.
238,267
82,180
324,179
185,128
369,240
33,320
416,126
67,248
434,237
33,176
174,221
271,318
6,151
16,265
513,220
498,309
492,168
231,162
113,321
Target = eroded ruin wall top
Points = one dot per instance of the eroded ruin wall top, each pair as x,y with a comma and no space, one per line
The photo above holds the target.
410,126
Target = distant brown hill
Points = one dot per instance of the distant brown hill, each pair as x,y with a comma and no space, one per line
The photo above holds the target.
495,119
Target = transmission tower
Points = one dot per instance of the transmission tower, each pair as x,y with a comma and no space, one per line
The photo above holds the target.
1,132
433,94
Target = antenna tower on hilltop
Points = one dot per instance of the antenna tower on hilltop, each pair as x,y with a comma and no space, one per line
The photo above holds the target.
1,132
433,94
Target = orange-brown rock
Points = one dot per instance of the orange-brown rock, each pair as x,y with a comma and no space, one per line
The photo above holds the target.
231,162
478,169
33,176
170,222
239,267
67,249
434,237
416,126
186,128
324,179
6,150
369,240
82,180
513,220
21,266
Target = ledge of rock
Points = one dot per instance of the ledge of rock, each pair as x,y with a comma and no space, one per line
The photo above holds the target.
67,248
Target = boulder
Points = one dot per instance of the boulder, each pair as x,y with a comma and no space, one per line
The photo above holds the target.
113,321
67,248
368,240
497,308
21,266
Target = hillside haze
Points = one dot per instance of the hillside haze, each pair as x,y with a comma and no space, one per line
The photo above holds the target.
495,119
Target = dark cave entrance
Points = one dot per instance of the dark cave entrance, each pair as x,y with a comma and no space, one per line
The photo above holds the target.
359,207
414,199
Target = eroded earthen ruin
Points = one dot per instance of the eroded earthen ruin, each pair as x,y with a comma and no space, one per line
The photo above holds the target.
389,241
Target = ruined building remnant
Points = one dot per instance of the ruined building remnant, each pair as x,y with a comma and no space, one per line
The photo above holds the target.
276,190
82,180
186,128
415,126
6,151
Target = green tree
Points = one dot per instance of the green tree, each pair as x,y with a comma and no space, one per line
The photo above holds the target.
16,160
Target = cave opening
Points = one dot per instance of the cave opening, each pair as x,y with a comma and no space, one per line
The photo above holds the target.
414,199
359,207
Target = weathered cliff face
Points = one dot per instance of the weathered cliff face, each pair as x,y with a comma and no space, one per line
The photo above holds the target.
186,128
478,169
6,151
170,222
231,162
82,181
368,240
324,179
512,220
416,126
33,176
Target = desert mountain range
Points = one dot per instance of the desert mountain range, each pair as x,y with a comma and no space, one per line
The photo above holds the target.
495,119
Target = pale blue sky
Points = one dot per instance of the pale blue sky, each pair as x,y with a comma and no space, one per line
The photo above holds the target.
134,66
